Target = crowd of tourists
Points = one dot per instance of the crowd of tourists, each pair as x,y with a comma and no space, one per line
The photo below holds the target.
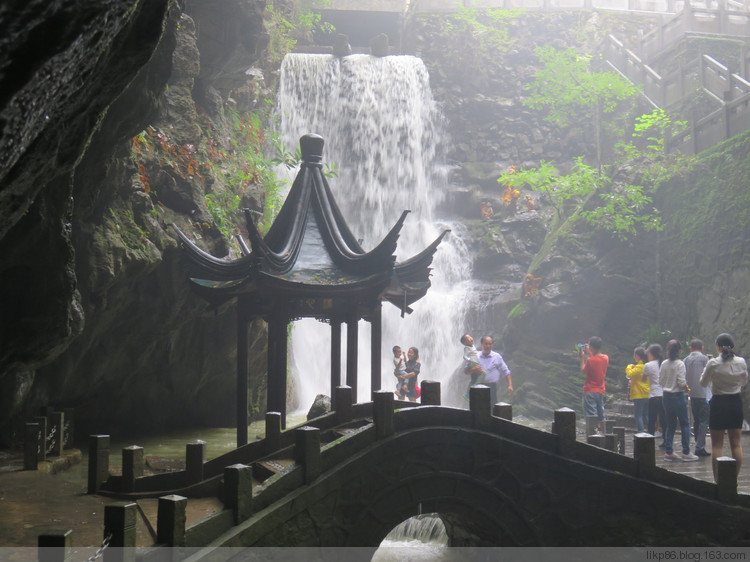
661,381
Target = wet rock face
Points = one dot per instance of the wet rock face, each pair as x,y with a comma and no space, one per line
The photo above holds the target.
96,311
63,65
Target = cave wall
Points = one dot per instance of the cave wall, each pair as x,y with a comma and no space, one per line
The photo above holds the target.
95,307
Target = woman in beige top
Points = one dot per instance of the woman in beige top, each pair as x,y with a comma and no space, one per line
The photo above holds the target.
726,374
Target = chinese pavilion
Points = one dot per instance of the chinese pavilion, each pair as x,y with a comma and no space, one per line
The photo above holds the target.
308,265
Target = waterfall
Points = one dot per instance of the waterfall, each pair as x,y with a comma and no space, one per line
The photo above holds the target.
382,130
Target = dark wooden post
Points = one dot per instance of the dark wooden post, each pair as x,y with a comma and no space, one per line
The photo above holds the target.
335,359
430,393
69,433
644,453
57,426
503,410
376,343
277,359
307,451
726,480
352,343
56,546
170,520
133,463
344,400
565,428
242,374
382,413
98,462
238,491
479,404
119,522
31,446
42,448
195,454
273,430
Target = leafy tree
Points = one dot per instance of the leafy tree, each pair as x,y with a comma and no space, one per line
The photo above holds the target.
587,192
573,92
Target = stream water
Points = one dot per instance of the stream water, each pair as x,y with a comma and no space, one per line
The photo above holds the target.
382,130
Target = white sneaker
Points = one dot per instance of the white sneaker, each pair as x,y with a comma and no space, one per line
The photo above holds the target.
690,457
657,434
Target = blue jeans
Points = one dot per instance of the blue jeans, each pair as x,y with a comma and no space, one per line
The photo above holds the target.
641,413
700,421
675,408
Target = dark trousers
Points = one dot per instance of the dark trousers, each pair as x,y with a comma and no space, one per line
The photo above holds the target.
700,408
655,411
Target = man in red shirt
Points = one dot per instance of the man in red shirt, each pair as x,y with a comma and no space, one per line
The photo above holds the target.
594,366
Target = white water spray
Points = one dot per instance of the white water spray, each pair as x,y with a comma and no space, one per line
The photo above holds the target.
381,129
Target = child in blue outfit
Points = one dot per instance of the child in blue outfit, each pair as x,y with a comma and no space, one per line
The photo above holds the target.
399,369
471,362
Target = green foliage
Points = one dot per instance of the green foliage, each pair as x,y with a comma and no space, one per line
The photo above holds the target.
655,334
647,146
488,28
619,210
570,90
287,23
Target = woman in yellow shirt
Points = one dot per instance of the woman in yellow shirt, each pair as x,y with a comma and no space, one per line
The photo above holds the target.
639,388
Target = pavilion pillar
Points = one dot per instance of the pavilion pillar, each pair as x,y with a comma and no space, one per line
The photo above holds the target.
243,346
277,364
335,359
376,344
352,341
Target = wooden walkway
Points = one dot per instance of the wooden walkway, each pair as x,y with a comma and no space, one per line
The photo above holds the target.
700,469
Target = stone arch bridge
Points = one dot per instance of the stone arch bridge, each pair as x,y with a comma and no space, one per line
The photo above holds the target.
348,478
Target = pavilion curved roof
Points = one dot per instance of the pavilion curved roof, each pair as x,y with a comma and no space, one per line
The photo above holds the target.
310,252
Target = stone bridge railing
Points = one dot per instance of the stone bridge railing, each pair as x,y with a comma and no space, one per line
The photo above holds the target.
347,478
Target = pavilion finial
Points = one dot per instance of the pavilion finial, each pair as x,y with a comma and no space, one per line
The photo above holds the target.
311,147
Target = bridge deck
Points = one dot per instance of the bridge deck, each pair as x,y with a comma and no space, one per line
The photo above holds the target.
700,469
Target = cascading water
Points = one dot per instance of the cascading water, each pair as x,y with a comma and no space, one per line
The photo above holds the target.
381,128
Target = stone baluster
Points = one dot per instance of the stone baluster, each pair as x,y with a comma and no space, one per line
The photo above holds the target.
596,440
382,413
133,463
620,435
98,462
479,404
31,446
430,393
307,451
56,546
592,425
565,428
610,442
195,455
119,523
503,410
726,480
344,401
273,430
644,453
171,519
238,491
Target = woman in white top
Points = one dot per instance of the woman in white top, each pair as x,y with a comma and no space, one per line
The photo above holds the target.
651,371
673,383
727,375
